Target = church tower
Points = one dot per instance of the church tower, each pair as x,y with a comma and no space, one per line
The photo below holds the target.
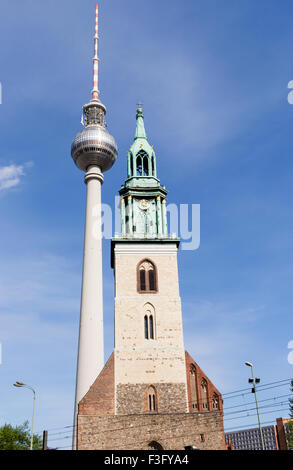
150,372
151,394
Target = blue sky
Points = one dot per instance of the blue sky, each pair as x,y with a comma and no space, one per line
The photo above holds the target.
213,79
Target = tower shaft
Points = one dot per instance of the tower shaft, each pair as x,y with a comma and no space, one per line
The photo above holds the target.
90,360
91,341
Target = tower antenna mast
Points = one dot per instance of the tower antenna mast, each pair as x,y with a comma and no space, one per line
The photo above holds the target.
95,91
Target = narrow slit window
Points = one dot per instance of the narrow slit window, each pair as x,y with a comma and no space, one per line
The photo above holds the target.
151,327
204,394
152,401
142,280
152,281
139,166
145,167
146,327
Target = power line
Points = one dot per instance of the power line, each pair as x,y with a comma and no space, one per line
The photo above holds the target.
225,414
260,401
263,388
264,413
250,425
263,385
260,390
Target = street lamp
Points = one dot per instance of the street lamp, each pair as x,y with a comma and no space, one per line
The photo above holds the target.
21,384
254,380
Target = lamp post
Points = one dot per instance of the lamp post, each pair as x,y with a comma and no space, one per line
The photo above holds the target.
21,384
254,381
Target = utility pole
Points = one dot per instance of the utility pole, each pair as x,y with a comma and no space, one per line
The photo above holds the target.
21,384
45,440
254,381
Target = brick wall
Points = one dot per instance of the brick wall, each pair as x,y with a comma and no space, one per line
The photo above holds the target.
133,399
171,431
281,433
100,397
199,376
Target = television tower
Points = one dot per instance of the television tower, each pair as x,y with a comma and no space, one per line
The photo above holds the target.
94,151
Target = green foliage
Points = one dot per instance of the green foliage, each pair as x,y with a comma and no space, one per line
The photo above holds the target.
18,438
289,434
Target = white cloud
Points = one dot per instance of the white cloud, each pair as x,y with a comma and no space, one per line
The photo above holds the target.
10,176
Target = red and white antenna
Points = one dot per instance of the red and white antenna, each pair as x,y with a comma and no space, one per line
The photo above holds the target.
95,91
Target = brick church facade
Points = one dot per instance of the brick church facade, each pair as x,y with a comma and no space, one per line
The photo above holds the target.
99,427
151,394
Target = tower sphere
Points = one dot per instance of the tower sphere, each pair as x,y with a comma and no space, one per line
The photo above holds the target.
94,145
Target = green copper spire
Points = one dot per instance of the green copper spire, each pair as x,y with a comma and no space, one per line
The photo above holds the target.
141,157
143,199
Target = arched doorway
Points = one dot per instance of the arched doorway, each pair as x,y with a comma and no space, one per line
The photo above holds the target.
155,446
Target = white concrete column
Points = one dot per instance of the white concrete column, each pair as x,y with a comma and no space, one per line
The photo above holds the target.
91,339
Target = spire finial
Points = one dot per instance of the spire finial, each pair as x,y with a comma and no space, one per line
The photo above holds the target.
140,129
95,91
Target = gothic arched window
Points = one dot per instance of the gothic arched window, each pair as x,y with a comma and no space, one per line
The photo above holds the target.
215,402
152,400
193,387
149,321
204,394
147,277
142,164
148,326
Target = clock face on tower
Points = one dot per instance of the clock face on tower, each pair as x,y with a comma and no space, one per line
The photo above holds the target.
144,204
145,217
